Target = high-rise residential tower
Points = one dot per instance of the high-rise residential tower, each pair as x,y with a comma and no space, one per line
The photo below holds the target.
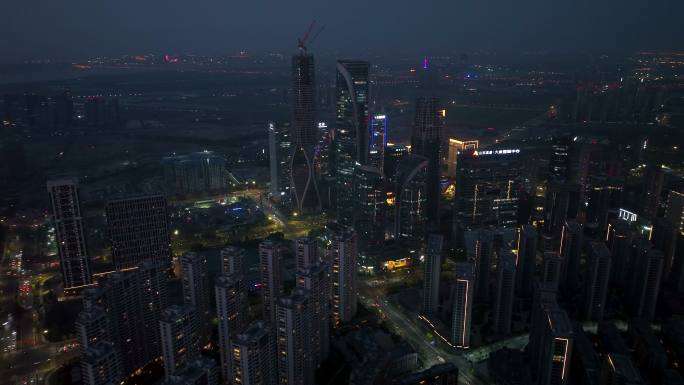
231,310
232,260
432,270
180,337
195,278
254,356
342,254
526,259
293,338
462,303
271,277
597,281
504,296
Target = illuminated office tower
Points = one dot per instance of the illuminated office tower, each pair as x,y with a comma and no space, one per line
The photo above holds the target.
378,141
369,208
231,310
195,278
645,283
254,356
652,188
555,348
426,142
505,289
488,184
139,230
619,240
293,338
316,279
552,265
571,252
455,147
410,208
544,298
280,160
562,203
342,254
618,369
432,270
526,259
232,260
462,302
180,337
271,277
306,196
393,154
306,252
674,211
596,282
74,261
352,133
603,199
100,365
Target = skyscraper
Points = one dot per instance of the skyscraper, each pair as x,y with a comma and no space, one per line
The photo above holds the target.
618,369
378,142
306,252
505,289
139,230
619,239
488,184
483,255
100,364
232,260
74,261
571,252
426,141
462,302
674,211
133,302
231,309
316,279
254,356
342,254
597,281
195,278
369,208
432,270
455,147
293,337
526,259
652,188
645,283
555,348
562,203
271,277
552,265
410,209
544,298
180,337
305,134
280,160
352,133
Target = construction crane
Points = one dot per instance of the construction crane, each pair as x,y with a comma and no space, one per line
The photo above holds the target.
307,40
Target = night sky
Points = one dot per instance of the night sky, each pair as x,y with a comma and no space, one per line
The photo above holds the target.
33,29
